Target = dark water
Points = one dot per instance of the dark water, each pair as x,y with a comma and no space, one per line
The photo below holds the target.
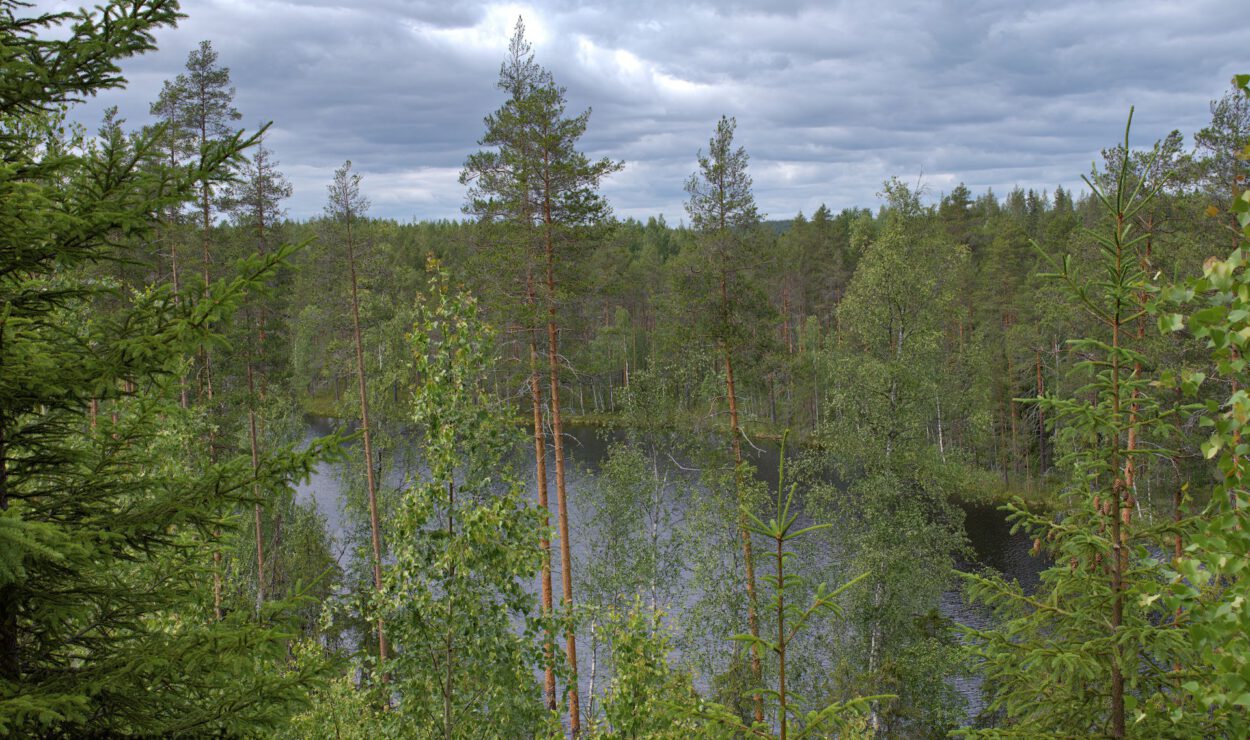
989,533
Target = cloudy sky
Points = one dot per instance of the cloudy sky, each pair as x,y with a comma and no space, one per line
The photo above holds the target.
831,97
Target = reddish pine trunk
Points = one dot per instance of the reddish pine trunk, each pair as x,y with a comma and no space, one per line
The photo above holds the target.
10,655
785,316
173,266
206,378
367,439
557,435
1041,421
752,617
540,477
260,542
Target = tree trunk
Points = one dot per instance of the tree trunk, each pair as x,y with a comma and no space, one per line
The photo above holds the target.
785,316
206,212
781,640
449,640
173,267
10,655
1041,420
1117,530
366,438
251,408
557,436
251,434
206,377
594,665
749,562
544,543
1011,407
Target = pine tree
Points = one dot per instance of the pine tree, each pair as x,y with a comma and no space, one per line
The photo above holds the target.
721,209
499,197
200,108
255,200
1222,167
540,182
345,207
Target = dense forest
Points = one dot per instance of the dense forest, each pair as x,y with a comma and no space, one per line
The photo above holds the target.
793,418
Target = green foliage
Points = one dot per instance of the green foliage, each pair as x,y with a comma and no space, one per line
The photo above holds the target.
108,505
720,193
647,696
894,515
1093,650
635,551
911,342
894,317
463,540
792,616
717,280
1211,584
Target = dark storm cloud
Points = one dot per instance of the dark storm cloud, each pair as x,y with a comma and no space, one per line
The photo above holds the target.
831,97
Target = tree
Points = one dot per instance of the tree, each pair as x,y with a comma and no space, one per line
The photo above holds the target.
1221,167
174,149
103,629
647,697
634,552
878,435
1210,582
345,206
464,540
721,208
783,533
499,197
199,107
255,200
1093,650
540,182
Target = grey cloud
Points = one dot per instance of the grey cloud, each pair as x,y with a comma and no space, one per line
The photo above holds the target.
831,97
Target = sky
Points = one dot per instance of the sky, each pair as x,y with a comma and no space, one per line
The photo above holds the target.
831,98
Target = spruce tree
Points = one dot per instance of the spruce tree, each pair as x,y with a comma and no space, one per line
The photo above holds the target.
1093,650
103,625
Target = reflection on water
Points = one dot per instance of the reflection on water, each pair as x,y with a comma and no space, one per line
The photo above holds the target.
988,530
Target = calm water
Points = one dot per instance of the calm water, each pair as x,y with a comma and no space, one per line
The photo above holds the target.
988,531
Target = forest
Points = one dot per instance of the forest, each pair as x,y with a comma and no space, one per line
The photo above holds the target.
963,464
